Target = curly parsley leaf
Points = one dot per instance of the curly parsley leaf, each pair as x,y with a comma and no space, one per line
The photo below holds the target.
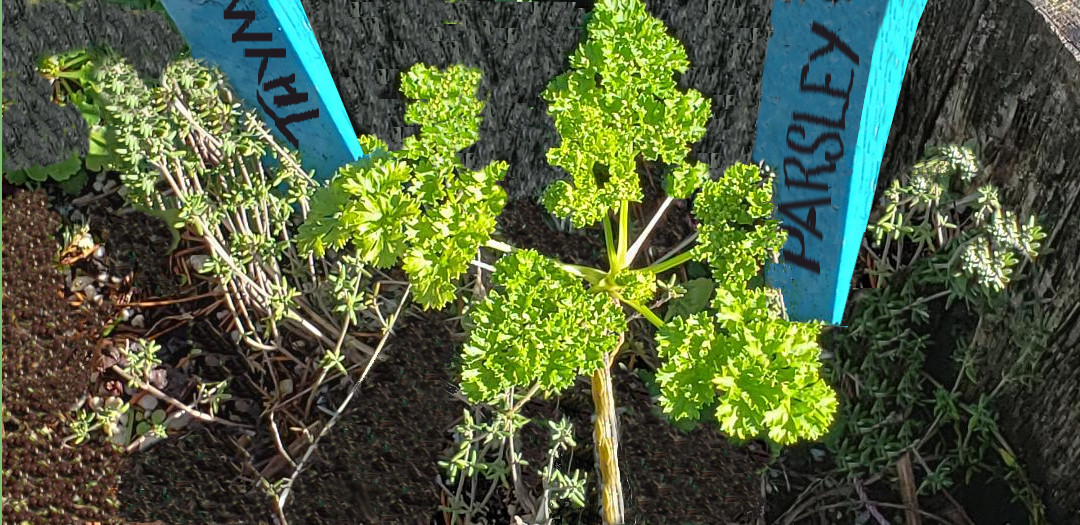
765,368
420,205
735,236
539,324
618,102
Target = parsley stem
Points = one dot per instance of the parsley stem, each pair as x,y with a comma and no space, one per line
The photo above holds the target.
624,230
588,273
668,264
498,245
648,230
609,241
645,312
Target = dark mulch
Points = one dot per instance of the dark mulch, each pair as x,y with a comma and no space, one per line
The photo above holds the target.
190,479
48,348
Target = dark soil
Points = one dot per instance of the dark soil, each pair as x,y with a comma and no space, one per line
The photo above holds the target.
384,452
379,463
190,479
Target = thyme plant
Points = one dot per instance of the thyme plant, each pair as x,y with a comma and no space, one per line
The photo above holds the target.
545,322
940,236
188,154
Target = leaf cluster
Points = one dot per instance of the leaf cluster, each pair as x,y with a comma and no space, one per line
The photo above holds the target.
933,213
483,448
419,205
618,103
165,168
72,77
539,324
736,235
765,368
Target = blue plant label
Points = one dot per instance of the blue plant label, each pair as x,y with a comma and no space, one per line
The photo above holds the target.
269,54
833,73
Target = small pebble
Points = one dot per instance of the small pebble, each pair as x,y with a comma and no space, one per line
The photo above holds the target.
119,434
97,185
148,403
98,299
85,242
178,422
99,253
123,191
116,279
89,290
197,261
138,321
81,282
125,314
103,277
109,185
159,378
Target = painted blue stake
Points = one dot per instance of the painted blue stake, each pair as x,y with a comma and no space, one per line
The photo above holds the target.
269,54
833,73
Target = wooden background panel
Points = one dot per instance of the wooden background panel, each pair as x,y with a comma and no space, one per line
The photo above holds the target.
36,131
990,69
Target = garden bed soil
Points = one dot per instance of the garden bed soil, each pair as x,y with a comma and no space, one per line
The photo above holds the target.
379,463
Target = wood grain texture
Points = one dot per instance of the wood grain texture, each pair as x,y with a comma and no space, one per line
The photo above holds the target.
1064,18
37,131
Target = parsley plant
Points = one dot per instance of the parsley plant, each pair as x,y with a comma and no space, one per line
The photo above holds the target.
546,322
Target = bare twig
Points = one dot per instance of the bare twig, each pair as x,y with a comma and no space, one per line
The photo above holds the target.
172,401
908,489
280,500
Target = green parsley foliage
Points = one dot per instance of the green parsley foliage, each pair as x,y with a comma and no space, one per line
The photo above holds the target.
735,235
539,324
617,102
420,205
766,367
366,205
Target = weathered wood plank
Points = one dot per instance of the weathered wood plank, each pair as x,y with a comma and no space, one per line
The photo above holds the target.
1064,18
996,71
38,132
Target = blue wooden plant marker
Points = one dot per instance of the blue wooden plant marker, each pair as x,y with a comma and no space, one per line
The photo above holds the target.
832,77
268,51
